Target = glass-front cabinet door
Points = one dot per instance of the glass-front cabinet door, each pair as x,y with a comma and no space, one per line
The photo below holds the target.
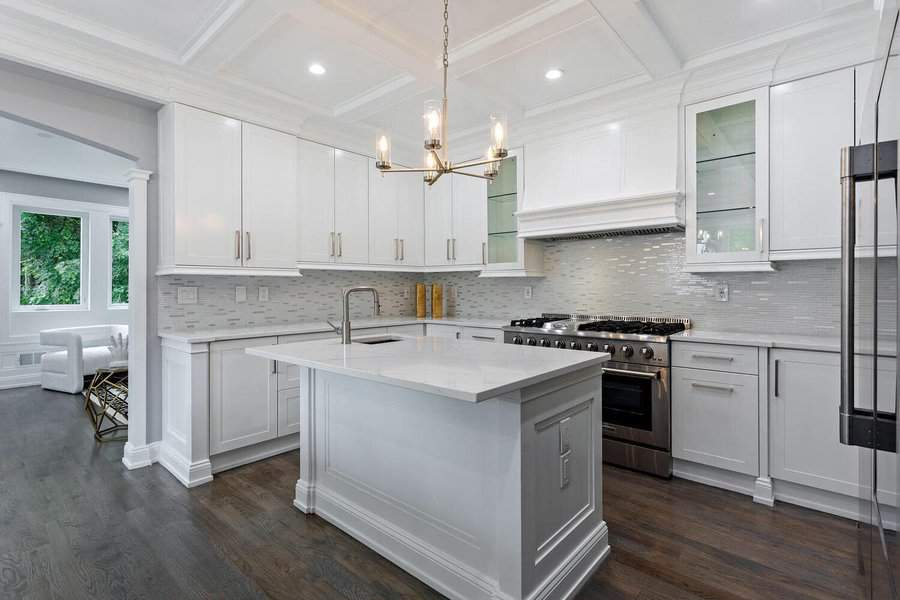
727,182
505,253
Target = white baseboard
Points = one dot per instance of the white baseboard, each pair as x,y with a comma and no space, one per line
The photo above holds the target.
442,572
305,497
9,382
713,476
138,457
254,453
188,473
764,492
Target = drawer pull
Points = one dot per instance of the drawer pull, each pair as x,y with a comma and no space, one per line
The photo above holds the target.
635,374
712,357
484,337
711,386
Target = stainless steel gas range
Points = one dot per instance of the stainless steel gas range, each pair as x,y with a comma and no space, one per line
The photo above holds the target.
636,399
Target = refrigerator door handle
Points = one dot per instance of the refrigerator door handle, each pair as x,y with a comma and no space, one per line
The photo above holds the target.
848,284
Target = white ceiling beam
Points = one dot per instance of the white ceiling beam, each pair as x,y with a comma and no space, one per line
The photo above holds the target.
640,33
224,14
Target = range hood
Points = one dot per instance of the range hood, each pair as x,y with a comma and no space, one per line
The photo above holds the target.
623,215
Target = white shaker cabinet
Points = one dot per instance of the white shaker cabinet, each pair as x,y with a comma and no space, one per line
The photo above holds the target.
804,438
200,188
396,219
351,207
469,220
315,233
243,396
438,222
811,120
269,198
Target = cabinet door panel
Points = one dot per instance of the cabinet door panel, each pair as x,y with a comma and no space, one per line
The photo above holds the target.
469,217
715,419
289,410
550,177
438,215
351,207
315,219
804,441
207,178
450,331
812,119
384,245
411,217
243,400
270,198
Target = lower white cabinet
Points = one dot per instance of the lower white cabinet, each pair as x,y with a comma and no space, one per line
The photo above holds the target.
243,396
804,438
715,419
451,331
289,410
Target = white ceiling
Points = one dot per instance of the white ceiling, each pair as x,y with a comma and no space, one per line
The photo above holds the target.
28,149
382,56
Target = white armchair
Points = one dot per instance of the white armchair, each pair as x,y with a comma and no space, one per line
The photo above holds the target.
86,350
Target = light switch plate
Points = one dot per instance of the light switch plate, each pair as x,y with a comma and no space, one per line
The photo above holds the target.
240,293
406,293
263,294
528,292
187,295
722,292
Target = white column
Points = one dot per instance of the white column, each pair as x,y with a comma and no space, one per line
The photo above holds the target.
137,452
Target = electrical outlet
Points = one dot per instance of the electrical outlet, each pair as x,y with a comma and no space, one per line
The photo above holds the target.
263,294
187,295
240,293
406,293
528,292
722,292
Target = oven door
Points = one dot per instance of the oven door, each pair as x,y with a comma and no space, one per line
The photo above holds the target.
636,404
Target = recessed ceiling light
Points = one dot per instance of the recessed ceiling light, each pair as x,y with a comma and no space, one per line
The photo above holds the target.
316,69
553,74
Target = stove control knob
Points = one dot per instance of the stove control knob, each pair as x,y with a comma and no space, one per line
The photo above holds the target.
545,343
575,345
647,352
591,347
627,351
559,344
517,339
531,341
609,348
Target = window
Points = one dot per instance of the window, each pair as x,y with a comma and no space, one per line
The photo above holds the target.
119,261
52,262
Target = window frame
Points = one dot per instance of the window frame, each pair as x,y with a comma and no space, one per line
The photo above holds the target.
16,254
109,267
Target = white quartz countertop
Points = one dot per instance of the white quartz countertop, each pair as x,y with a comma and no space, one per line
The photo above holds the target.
886,346
462,369
196,336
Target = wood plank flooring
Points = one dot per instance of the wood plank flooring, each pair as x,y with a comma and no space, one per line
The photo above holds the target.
74,523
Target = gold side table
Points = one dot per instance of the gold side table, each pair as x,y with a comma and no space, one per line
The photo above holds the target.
106,402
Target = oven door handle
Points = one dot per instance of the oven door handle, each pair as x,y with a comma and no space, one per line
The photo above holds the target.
627,373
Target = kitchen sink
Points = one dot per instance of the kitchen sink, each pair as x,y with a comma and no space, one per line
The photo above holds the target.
381,339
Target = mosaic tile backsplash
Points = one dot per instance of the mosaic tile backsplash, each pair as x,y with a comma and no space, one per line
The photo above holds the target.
634,275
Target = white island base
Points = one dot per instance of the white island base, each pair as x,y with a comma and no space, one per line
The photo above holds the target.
478,494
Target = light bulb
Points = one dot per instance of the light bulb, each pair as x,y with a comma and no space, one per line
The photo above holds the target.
498,135
382,151
433,124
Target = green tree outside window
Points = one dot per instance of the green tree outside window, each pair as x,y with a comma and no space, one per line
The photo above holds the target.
120,262
50,259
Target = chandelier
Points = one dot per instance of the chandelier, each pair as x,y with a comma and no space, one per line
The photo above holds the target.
437,162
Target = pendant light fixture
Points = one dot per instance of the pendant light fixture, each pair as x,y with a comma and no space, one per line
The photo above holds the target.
434,119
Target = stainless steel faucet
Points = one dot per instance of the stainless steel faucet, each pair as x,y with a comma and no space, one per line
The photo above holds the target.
344,329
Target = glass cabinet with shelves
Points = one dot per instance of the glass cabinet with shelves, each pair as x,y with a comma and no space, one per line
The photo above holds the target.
507,255
727,183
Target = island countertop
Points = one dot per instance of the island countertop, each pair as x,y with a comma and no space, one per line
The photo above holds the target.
462,369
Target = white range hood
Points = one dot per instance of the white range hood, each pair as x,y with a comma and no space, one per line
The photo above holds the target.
624,215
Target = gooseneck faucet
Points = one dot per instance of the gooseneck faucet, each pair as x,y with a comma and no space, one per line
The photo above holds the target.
344,329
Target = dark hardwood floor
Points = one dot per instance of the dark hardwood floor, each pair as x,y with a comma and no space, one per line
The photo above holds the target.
74,523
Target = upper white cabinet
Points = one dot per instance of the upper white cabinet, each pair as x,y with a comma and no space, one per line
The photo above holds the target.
727,183
396,219
456,222
270,198
616,176
333,224
812,119
215,215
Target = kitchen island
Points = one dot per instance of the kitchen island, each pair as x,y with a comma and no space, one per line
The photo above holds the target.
476,467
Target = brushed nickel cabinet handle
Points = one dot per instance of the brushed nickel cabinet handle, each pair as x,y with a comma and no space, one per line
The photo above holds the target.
396,250
237,244
402,249
274,367
340,244
712,357
248,246
454,248
331,244
484,253
711,386
762,225
776,377
484,337
448,248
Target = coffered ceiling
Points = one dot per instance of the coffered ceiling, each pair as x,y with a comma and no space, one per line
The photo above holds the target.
382,57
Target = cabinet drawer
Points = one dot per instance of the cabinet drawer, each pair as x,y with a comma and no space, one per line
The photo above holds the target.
416,330
481,334
715,419
716,357
450,331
